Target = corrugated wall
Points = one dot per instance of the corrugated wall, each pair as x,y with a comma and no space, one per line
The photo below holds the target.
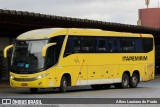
4,41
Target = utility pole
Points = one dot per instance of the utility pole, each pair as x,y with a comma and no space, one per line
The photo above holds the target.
147,2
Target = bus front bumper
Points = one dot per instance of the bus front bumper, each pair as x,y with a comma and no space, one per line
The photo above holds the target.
31,83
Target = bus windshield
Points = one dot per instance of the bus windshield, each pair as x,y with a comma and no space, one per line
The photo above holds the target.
27,56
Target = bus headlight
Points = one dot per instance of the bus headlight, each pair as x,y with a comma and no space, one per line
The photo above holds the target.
43,75
39,77
11,77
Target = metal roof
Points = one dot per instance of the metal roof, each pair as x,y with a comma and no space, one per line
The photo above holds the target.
13,23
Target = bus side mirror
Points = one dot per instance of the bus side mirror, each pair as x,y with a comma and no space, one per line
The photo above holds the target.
6,49
44,50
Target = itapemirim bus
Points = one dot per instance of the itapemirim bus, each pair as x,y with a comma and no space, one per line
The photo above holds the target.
62,57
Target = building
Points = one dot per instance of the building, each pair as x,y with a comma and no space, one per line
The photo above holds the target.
149,17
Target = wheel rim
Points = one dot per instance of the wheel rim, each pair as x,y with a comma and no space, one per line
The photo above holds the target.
65,84
134,80
125,81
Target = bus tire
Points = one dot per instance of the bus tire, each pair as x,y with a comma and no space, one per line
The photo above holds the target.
63,85
33,90
124,83
134,80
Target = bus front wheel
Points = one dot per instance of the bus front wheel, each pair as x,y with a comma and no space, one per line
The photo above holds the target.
63,85
33,90
134,81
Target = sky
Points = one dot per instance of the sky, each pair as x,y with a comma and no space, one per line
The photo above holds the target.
119,11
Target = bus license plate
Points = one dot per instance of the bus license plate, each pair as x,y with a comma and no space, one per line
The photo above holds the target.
24,84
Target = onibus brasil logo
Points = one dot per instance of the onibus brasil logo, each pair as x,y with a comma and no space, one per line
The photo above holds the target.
21,102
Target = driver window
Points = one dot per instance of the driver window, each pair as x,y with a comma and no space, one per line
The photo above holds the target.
51,56
53,52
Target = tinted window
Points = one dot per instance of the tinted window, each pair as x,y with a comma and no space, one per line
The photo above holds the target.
76,44
69,47
53,52
79,45
108,44
102,45
147,44
115,43
127,45
87,44
138,45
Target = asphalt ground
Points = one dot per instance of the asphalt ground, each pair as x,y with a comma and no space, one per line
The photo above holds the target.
150,89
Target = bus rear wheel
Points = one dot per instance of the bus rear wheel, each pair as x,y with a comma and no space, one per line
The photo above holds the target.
33,90
134,81
64,84
124,83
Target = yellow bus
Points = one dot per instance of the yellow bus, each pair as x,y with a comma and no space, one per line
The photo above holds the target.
62,57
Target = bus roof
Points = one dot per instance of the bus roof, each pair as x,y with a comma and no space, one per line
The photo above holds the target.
38,34
51,32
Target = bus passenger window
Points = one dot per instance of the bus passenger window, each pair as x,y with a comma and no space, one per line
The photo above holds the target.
115,45
101,45
127,45
77,43
138,44
88,44
147,44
